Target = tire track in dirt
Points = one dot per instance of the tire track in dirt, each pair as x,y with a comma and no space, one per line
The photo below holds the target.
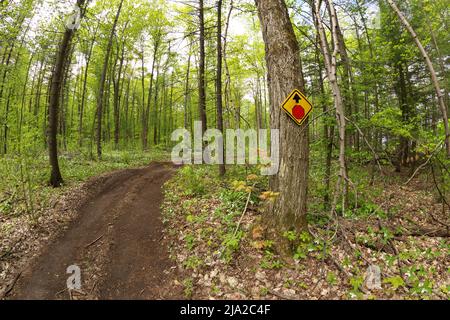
116,239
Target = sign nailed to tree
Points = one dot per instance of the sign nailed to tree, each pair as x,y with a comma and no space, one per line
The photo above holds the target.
297,106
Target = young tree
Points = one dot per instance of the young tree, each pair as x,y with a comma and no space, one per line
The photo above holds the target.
219,80
201,75
101,90
331,67
288,212
430,66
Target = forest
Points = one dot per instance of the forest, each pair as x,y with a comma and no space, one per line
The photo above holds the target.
92,91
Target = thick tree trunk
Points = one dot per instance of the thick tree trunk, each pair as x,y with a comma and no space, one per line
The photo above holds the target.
430,66
288,212
57,80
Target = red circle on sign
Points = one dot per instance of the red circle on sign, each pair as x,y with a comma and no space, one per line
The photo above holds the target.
298,112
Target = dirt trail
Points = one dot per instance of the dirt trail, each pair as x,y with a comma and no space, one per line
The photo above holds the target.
116,240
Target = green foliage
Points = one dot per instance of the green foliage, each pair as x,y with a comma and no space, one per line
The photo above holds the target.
356,282
331,278
193,181
231,245
396,282
270,261
193,262
188,284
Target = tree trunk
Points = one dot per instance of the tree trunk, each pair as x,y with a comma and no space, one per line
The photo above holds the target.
288,212
187,91
117,96
227,89
146,111
331,67
83,95
57,80
101,91
349,100
155,106
219,83
201,76
328,131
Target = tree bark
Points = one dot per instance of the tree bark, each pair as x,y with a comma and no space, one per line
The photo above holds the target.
83,95
331,67
288,212
57,80
117,94
146,111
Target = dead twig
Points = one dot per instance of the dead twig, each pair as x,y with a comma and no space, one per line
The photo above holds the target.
12,284
11,249
436,150
444,201
282,296
375,155
59,292
93,242
244,212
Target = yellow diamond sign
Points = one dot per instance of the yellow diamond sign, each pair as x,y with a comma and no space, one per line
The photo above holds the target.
297,106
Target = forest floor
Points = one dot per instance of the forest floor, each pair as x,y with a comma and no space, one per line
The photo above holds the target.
209,242
401,229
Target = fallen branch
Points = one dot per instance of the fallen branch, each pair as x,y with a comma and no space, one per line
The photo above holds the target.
425,232
375,155
444,201
244,212
11,249
282,296
436,150
12,284
93,242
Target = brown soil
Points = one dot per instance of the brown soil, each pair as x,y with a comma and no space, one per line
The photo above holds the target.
117,240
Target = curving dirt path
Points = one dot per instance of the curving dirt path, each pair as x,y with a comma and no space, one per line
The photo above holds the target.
117,240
